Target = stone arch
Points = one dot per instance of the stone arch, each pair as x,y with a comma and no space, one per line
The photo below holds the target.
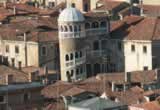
103,24
87,25
67,57
95,24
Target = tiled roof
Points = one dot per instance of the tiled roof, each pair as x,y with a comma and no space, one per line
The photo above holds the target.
136,77
136,28
18,76
111,5
154,105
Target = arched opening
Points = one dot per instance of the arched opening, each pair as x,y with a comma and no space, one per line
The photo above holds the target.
71,56
76,55
65,29
95,25
86,7
70,28
73,5
77,71
68,76
79,28
61,28
67,57
80,53
81,70
103,24
87,26
75,29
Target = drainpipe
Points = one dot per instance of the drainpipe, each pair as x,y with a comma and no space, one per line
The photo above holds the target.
25,49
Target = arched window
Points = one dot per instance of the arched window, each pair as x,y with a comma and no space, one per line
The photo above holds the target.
65,28
73,5
67,58
87,26
76,55
75,29
79,28
71,56
77,71
61,28
81,70
72,72
103,24
70,28
95,25
80,53
86,8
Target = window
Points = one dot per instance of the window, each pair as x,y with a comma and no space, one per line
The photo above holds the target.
75,29
95,25
81,70
103,24
51,4
7,48
13,62
96,45
86,8
73,5
65,29
80,54
20,65
144,49
133,48
44,51
1,98
77,71
72,72
119,46
79,28
62,28
26,97
76,55
71,56
70,28
67,58
87,26
145,68
16,49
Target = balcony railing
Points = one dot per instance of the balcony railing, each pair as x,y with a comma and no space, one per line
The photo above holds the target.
97,31
64,35
76,62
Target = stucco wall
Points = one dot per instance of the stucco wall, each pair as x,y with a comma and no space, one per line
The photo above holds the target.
137,60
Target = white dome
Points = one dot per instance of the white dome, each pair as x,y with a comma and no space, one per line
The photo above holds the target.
71,15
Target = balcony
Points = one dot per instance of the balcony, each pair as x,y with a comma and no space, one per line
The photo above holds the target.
64,35
76,62
98,53
97,31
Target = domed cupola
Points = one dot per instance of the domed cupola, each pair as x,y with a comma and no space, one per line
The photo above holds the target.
71,14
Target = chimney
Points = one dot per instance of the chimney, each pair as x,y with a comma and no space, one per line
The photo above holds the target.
45,80
141,8
128,77
14,10
9,79
32,76
113,86
4,4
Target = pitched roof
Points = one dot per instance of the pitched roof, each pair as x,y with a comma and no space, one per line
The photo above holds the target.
136,28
